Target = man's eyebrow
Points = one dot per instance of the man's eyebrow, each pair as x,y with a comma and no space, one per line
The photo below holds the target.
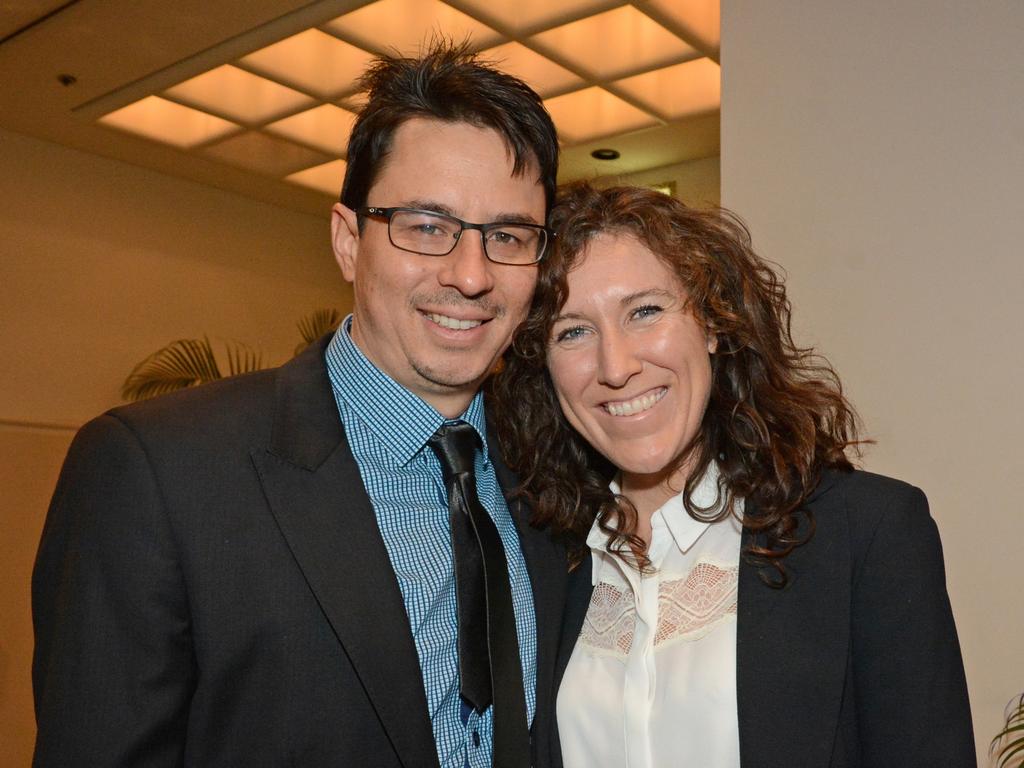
514,218
428,205
502,218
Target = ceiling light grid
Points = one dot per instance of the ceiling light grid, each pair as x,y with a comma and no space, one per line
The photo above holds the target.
284,110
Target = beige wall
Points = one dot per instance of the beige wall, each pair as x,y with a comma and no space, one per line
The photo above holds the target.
30,460
102,263
876,151
697,182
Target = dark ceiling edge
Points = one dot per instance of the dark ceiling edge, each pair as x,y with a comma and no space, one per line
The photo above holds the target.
40,20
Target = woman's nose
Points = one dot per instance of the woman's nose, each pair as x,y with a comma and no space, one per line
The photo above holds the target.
618,360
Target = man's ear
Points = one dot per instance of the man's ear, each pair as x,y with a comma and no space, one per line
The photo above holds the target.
345,239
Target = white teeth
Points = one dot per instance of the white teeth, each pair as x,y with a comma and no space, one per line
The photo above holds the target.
636,405
450,322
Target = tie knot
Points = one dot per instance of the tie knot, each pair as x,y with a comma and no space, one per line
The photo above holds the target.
455,446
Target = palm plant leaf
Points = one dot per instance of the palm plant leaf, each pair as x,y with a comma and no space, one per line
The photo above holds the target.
316,324
188,362
1011,753
182,363
243,359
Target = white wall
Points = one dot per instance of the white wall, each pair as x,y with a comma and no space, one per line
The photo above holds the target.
102,263
877,151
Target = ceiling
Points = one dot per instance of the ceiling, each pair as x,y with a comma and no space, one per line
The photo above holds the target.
257,96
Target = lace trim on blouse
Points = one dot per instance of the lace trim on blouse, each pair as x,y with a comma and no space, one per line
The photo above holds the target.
688,609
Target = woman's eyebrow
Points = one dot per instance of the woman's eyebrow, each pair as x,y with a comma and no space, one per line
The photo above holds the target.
629,298
567,316
646,293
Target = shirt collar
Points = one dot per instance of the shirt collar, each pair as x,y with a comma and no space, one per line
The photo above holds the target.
398,419
672,515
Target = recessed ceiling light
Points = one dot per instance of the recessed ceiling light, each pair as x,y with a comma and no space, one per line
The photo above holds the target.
605,154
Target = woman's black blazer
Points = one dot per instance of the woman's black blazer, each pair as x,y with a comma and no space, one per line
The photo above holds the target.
856,661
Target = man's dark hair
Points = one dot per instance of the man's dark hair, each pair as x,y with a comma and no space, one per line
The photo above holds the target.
451,84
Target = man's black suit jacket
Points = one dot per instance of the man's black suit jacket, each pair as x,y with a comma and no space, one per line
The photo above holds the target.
211,589
856,663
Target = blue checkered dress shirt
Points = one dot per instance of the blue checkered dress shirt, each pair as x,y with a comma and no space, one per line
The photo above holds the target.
387,429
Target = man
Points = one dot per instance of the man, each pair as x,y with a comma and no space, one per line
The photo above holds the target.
260,571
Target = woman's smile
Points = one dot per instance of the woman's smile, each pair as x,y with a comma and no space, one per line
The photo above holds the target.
635,405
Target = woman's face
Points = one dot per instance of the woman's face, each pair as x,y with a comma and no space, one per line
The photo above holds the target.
630,363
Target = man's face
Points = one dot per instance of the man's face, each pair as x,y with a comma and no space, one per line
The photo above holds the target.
437,324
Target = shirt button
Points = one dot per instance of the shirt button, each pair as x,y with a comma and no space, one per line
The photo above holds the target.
476,739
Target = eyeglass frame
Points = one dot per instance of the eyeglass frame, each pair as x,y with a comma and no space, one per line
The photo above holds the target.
386,214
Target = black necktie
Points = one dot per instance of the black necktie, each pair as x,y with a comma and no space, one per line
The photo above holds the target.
489,665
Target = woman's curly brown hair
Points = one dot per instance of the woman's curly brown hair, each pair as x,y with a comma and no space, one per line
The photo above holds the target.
776,414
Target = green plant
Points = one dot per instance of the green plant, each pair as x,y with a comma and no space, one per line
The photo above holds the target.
185,363
316,324
189,362
1010,740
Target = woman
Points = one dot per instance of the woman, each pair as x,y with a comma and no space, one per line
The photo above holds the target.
741,595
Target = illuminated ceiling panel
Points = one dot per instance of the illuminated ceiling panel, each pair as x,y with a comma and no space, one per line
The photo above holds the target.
264,154
284,106
700,18
238,94
407,25
165,121
544,76
326,178
526,15
326,127
593,112
615,43
675,92
314,61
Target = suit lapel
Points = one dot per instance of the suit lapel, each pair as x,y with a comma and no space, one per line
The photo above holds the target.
545,561
546,564
314,489
547,567
579,592
792,652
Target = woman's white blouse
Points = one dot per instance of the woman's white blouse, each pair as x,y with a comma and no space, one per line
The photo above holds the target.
652,680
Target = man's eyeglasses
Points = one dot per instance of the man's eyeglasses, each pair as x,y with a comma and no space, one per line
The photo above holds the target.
437,234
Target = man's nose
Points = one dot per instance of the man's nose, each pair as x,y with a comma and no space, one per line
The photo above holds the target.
467,268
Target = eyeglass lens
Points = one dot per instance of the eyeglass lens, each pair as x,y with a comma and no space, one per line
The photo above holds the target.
436,234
